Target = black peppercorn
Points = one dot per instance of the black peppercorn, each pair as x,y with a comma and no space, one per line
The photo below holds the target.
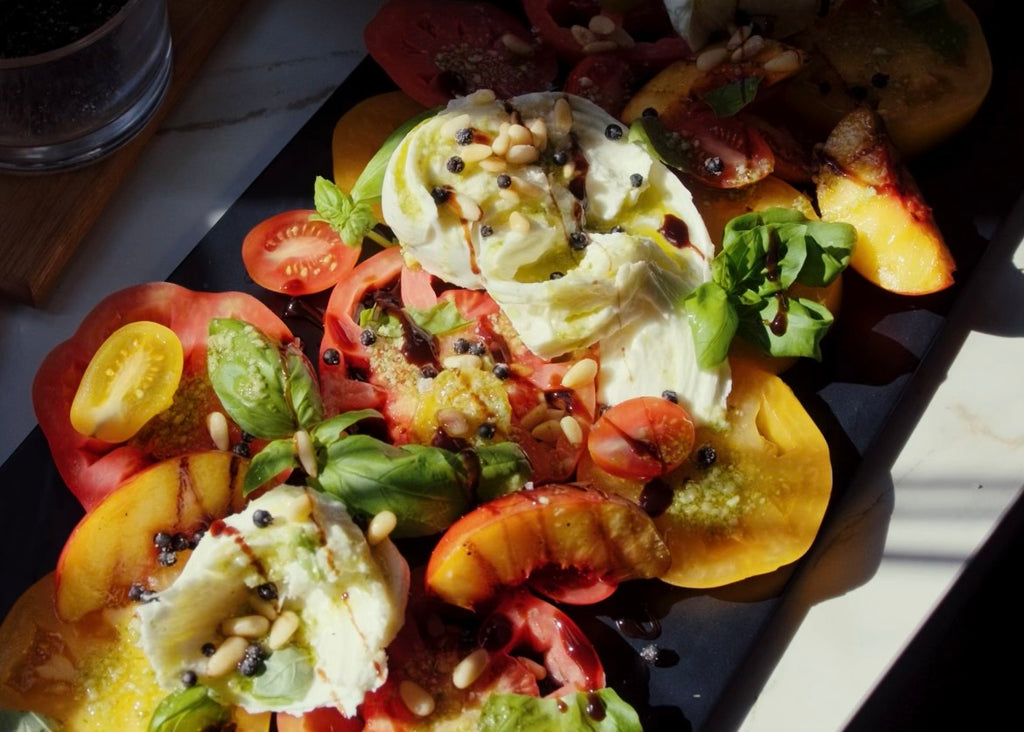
332,357
714,165
501,370
189,678
262,518
440,194
613,132
367,337
706,456
486,231
460,346
486,430
670,396
636,180
464,136
578,241
455,164
504,180
267,591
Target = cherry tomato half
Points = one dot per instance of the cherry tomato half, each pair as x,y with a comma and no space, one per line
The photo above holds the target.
641,438
294,255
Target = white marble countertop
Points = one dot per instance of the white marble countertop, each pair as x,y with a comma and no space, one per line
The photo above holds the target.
926,499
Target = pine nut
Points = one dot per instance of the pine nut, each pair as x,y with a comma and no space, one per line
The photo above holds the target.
469,210
493,164
522,154
501,144
298,509
569,170
600,47
580,373
571,429
562,116
521,369
381,526
282,630
517,45
416,698
468,670
712,58
217,425
526,188
264,607
464,361
307,456
227,657
520,135
518,223
602,25
784,62
539,129
453,422
509,196
753,46
620,36
449,128
534,417
739,37
246,626
582,35
475,152
482,96
548,431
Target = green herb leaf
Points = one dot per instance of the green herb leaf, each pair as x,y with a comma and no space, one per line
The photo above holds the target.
26,722
425,487
714,320
352,219
786,326
268,463
303,393
187,710
763,254
331,430
503,468
730,98
569,713
660,143
247,375
370,182
286,678
439,319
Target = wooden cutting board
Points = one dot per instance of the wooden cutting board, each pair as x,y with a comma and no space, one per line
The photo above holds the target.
44,217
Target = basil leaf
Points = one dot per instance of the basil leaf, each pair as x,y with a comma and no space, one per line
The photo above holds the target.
286,678
352,219
370,182
439,319
187,710
247,375
786,326
331,430
503,468
303,392
26,722
730,98
268,463
713,321
568,713
829,247
425,487
660,143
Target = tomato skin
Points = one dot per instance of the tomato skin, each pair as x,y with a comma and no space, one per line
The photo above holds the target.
91,468
604,79
437,49
641,438
295,255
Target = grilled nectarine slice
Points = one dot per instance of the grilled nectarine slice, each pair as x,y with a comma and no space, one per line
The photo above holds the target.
862,182
556,526
114,547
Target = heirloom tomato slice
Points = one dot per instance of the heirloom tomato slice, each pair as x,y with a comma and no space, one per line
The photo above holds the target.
446,368
750,498
438,49
92,468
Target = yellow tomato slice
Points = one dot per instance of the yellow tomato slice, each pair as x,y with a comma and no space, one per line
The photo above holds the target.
131,378
759,505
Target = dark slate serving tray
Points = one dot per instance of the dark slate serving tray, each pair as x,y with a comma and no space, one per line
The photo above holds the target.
673,653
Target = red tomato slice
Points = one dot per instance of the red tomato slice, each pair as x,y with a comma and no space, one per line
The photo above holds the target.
92,469
387,375
437,49
654,45
606,80
294,255
642,438
723,152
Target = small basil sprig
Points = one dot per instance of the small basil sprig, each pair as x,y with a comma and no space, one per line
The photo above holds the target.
763,254
269,390
597,711
189,709
351,214
12,721
287,675
444,317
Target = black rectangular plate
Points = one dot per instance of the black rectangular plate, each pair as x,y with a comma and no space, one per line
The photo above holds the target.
672,653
